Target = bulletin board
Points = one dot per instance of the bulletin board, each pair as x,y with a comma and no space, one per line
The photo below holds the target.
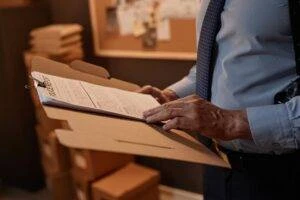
181,46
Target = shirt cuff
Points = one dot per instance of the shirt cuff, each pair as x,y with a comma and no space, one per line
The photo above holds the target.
271,128
183,88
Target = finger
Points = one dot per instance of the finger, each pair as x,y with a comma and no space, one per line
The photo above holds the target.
155,92
165,115
191,97
183,100
179,103
170,105
176,123
145,90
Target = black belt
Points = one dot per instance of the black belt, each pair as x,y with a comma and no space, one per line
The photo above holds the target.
248,161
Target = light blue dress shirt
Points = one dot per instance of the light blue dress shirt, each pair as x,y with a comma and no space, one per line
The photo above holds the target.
255,60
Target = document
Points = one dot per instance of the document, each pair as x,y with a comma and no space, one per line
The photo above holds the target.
80,95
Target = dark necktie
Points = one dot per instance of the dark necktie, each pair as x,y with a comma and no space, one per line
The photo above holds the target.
210,27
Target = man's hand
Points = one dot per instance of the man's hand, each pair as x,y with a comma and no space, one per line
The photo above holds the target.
195,114
162,96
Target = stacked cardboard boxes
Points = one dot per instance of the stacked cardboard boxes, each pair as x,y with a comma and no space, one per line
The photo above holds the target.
89,166
55,157
132,182
84,174
56,163
60,42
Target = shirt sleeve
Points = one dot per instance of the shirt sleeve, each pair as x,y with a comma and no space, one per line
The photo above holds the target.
276,127
186,86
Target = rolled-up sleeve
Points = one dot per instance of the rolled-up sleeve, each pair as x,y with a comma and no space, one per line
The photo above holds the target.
186,86
276,127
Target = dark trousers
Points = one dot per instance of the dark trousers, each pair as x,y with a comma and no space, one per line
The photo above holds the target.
254,177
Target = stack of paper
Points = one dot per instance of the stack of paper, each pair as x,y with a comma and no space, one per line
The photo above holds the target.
60,42
80,95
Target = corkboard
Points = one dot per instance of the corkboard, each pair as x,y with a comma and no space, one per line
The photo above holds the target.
181,47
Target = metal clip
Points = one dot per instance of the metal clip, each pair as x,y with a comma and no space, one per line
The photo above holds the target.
40,83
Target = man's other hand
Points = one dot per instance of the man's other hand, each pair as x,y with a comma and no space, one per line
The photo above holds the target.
195,114
162,96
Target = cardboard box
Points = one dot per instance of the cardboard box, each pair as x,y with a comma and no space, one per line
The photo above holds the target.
82,191
55,157
60,186
49,124
36,42
133,182
77,65
70,56
106,133
29,55
58,52
82,187
56,31
67,57
95,164
98,71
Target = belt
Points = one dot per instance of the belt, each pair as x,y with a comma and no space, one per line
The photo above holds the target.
248,161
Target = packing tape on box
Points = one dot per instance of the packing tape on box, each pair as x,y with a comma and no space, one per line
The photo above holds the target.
80,161
47,150
80,194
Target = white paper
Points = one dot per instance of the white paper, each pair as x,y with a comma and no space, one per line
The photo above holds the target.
126,19
139,29
131,16
180,9
90,97
164,30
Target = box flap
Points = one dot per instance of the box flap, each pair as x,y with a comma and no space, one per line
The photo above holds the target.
101,72
107,133
90,68
51,67
174,150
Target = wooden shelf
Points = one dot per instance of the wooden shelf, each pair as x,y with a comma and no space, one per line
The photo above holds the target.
147,55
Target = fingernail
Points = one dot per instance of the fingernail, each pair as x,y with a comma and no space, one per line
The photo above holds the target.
165,127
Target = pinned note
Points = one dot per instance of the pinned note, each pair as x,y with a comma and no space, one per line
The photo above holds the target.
139,28
125,16
164,30
178,9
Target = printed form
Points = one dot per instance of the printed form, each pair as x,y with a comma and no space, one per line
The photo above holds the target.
85,96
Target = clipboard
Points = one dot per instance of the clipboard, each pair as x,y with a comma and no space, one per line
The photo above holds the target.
106,133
